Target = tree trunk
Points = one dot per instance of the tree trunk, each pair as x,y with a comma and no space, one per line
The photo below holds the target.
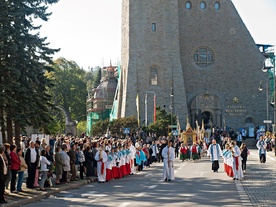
17,133
9,130
2,124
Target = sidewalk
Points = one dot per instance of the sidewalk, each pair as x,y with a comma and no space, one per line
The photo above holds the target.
31,195
259,182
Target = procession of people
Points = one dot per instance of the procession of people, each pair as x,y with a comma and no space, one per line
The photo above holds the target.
68,159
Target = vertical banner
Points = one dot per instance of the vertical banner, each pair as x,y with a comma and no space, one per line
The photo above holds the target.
138,111
154,108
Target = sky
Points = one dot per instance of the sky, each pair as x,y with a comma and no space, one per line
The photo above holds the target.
89,31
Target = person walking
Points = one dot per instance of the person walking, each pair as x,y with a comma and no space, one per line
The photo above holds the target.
244,155
168,154
214,152
237,166
261,145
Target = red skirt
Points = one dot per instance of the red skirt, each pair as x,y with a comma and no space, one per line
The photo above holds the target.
109,175
123,170
128,168
119,172
115,172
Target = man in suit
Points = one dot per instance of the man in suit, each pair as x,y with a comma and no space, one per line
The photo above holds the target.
32,160
3,174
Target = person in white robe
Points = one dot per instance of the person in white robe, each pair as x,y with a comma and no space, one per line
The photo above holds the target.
237,164
132,156
168,154
101,158
261,145
214,152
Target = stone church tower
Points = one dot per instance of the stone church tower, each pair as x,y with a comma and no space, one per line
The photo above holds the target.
197,56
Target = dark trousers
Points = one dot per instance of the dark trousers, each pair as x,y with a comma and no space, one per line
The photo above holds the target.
81,170
262,158
2,190
160,157
13,179
244,164
31,175
64,177
215,165
73,171
176,153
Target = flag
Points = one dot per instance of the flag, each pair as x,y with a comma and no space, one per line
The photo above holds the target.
154,108
138,111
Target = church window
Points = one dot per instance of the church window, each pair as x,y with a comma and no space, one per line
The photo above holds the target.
188,5
217,6
153,27
154,77
203,5
203,57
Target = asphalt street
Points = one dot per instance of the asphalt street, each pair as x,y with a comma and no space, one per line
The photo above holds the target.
195,185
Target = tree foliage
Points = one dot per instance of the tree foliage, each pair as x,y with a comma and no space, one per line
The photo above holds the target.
163,120
115,127
24,57
69,91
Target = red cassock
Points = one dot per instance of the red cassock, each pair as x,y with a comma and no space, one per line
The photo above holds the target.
109,175
115,172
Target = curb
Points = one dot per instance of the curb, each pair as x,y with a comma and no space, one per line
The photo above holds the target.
48,193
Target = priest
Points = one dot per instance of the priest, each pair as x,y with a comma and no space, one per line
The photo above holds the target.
214,152
168,154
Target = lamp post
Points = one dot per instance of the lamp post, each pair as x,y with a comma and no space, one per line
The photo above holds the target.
146,105
269,65
171,107
267,104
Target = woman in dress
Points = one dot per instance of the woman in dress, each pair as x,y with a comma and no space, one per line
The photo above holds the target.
58,164
66,160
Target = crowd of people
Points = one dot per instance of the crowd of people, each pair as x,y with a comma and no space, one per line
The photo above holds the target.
68,158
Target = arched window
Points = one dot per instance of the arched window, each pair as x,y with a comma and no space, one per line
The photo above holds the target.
154,77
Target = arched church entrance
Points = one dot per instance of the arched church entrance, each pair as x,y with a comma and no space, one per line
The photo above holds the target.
206,108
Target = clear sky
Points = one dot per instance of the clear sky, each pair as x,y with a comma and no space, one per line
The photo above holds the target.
89,31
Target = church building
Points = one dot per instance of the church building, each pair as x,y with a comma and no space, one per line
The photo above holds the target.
197,57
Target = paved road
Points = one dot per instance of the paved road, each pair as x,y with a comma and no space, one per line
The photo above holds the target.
260,180
195,185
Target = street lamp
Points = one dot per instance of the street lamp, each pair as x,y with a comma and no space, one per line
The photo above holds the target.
267,104
171,107
269,65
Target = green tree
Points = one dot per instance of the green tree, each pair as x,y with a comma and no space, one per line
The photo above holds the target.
24,56
69,91
163,120
98,77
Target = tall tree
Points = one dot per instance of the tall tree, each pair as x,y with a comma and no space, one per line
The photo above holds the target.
69,90
24,57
